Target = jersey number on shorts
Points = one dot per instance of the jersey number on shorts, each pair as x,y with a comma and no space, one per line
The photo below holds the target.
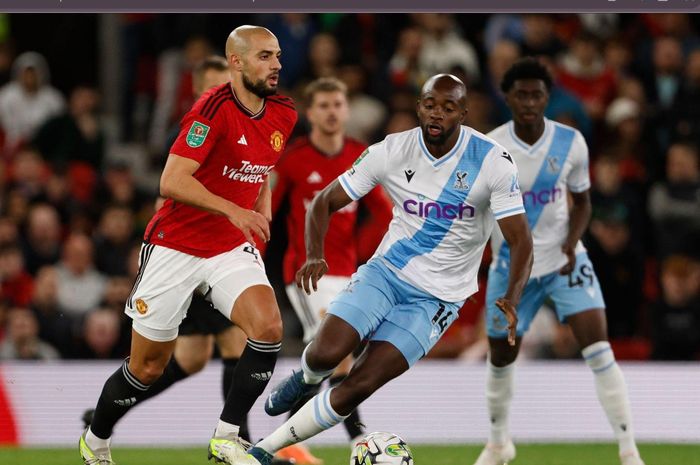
584,270
442,322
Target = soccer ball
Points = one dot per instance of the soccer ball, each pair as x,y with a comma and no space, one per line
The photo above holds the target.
381,449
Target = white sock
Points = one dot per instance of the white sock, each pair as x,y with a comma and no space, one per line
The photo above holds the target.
226,430
311,376
612,393
97,445
499,392
315,416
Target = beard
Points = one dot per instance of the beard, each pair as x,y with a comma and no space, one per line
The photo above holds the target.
437,140
259,87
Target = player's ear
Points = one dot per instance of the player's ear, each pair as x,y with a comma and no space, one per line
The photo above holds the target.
235,62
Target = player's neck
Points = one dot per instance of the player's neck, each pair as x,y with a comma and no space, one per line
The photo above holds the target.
248,99
328,144
529,133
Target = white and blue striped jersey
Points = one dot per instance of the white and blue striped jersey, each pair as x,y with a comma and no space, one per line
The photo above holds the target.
444,209
557,162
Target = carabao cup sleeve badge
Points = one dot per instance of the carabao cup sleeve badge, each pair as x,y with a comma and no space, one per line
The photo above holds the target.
197,134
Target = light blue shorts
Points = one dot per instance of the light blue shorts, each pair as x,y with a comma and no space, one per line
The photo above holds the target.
382,307
571,294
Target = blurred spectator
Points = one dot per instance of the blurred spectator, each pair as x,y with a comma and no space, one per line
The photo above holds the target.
399,121
619,268
324,56
539,37
676,316
174,87
366,112
618,58
502,56
41,241
674,204
479,116
119,187
100,336
80,286
583,71
76,135
404,70
8,231
55,327
29,174
443,48
113,240
28,100
628,141
22,339
15,283
117,291
295,31
685,112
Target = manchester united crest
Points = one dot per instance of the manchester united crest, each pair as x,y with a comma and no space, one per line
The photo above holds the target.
141,306
277,141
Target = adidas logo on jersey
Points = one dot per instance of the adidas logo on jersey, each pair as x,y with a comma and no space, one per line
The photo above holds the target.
314,178
262,376
242,140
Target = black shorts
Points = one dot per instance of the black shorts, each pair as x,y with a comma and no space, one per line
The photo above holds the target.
203,318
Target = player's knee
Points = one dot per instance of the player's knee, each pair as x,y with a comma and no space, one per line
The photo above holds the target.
501,358
323,358
267,331
148,371
195,362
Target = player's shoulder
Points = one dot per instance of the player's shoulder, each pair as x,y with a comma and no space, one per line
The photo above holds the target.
567,133
298,147
210,103
397,141
283,105
499,133
490,145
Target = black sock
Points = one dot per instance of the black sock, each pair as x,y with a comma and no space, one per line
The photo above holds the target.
252,373
352,423
121,391
172,374
226,381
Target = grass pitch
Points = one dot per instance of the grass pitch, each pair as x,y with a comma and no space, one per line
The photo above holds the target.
528,454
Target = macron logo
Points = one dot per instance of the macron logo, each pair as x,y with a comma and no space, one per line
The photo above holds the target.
242,140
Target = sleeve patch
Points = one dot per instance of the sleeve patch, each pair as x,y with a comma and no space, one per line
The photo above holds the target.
197,134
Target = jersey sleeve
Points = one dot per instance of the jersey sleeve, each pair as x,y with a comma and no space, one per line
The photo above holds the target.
579,179
197,137
506,199
368,170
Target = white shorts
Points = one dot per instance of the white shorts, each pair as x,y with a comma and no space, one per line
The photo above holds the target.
167,279
311,308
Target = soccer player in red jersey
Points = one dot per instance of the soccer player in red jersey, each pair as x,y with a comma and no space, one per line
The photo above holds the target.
308,165
218,202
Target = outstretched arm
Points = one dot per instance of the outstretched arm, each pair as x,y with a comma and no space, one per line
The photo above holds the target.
326,202
516,232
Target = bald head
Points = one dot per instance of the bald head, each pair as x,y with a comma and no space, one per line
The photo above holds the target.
239,41
446,83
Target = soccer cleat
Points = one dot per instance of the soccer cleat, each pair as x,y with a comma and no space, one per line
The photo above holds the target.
298,454
93,458
631,459
260,456
230,452
287,393
496,455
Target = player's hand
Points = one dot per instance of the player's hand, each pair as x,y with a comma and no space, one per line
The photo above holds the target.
508,310
568,250
251,224
312,271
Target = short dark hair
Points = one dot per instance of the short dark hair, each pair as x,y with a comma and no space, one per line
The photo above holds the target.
526,68
324,84
215,62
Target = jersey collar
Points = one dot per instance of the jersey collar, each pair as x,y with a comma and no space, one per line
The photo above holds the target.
524,145
245,109
439,161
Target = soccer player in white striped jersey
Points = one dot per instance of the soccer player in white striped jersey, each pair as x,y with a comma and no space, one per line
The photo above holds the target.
552,159
449,185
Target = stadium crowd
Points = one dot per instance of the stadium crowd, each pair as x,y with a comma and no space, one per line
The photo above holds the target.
72,211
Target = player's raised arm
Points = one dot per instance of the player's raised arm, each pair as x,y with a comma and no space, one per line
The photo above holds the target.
178,183
326,202
516,232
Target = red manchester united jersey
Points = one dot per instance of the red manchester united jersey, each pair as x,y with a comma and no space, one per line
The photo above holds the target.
301,174
236,150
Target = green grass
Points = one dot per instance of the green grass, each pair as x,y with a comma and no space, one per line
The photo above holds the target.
528,454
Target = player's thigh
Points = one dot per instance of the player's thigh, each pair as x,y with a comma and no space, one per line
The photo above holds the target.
193,351
310,309
530,302
365,301
231,342
415,326
577,292
162,291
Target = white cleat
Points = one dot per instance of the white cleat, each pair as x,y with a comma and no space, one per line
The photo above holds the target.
497,455
631,459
